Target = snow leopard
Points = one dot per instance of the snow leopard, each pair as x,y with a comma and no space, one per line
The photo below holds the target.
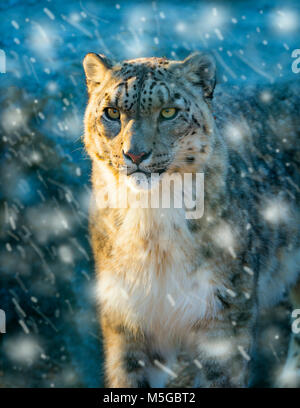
170,284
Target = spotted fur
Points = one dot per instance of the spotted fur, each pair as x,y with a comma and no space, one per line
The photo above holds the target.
166,282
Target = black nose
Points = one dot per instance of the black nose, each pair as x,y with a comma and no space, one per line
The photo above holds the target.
135,157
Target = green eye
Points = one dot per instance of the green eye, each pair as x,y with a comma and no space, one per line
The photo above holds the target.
112,113
168,113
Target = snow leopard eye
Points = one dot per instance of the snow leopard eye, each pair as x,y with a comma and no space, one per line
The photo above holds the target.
112,113
168,113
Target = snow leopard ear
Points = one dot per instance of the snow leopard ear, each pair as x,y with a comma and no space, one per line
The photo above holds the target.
200,69
95,68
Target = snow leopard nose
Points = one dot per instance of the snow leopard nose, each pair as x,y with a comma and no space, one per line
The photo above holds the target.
135,157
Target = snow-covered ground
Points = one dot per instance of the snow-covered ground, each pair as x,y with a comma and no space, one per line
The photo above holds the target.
46,271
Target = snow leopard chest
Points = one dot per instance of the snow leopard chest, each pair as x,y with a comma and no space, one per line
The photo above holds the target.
164,288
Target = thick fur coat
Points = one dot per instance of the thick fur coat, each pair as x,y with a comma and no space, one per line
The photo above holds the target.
166,282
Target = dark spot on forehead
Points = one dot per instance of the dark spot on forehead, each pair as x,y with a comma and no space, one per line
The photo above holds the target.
141,84
190,159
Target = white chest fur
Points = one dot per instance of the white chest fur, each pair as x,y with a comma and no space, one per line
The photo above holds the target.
153,279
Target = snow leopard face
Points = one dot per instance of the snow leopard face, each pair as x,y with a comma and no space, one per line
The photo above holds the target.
150,115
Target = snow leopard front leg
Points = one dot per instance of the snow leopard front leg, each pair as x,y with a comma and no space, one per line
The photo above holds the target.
130,358
224,351
124,358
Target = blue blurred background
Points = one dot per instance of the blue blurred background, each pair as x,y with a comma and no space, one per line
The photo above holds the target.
46,269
